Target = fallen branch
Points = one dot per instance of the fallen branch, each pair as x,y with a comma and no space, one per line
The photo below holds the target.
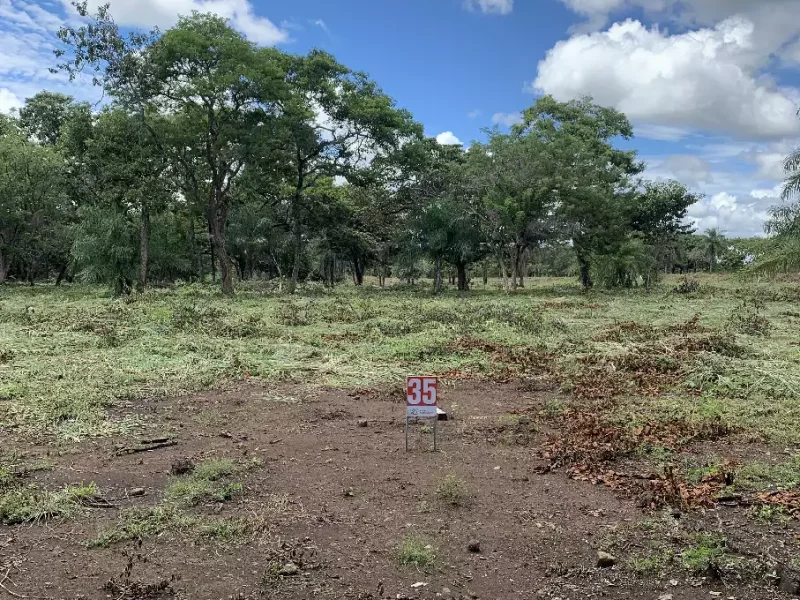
156,446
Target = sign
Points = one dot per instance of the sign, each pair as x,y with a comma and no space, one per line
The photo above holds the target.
421,396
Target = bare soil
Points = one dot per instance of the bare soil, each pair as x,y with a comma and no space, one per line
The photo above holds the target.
337,498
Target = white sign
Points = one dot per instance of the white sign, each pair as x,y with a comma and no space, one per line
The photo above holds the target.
421,396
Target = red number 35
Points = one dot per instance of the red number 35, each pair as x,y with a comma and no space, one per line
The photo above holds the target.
421,390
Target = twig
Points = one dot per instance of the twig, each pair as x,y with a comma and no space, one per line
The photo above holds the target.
5,577
146,448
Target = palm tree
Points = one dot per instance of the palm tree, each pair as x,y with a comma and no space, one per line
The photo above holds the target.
791,168
715,245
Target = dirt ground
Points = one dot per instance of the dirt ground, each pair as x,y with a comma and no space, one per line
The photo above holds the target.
335,493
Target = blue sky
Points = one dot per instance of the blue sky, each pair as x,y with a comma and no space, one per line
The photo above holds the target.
712,86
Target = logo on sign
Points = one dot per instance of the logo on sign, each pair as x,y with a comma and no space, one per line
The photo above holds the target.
421,396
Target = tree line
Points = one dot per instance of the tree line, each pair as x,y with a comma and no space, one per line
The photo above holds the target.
214,157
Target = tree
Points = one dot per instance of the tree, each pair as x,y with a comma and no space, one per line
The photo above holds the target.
32,205
590,180
45,115
715,244
515,179
334,121
201,89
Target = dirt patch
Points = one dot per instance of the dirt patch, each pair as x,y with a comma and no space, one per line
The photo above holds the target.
328,507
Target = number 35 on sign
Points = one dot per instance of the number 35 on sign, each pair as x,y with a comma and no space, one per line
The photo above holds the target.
421,396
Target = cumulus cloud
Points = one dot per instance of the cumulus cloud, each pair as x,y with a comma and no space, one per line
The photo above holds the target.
497,7
507,119
9,101
772,29
704,79
735,216
448,138
164,13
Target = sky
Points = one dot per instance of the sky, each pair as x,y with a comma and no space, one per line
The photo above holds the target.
711,86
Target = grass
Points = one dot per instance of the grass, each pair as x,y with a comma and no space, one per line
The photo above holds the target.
70,353
209,482
30,504
415,551
206,483
453,491
706,553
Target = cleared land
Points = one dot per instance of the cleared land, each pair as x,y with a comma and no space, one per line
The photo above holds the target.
176,444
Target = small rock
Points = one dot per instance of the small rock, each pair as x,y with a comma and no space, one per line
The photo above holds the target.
665,597
474,546
137,492
605,560
446,591
289,570
363,423
419,584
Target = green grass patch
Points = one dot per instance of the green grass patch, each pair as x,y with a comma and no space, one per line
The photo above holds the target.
415,552
68,354
453,491
31,504
206,483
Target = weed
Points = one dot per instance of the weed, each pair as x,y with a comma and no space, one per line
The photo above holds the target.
139,523
769,515
225,529
417,552
759,476
747,318
452,490
708,553
204,484
294,314
656,562
26,504
687,286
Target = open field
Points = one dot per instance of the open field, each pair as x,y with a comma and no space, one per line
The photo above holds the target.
659,427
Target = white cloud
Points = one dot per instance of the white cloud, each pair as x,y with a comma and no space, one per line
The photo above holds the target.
663,133
772,28
773,193
164,13
704,79
9,101
322,25
448,138
734,216
507,119
474,114
28,32
497,7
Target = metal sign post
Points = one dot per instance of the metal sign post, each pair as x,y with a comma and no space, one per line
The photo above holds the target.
422,401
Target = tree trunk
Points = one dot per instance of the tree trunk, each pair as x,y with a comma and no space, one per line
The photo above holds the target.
4,268
358,270
485,274
437,276
463,283
523,268
196,252
213,250
61,273
296,261
586,274
514,268
503,271
218,239
144,249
